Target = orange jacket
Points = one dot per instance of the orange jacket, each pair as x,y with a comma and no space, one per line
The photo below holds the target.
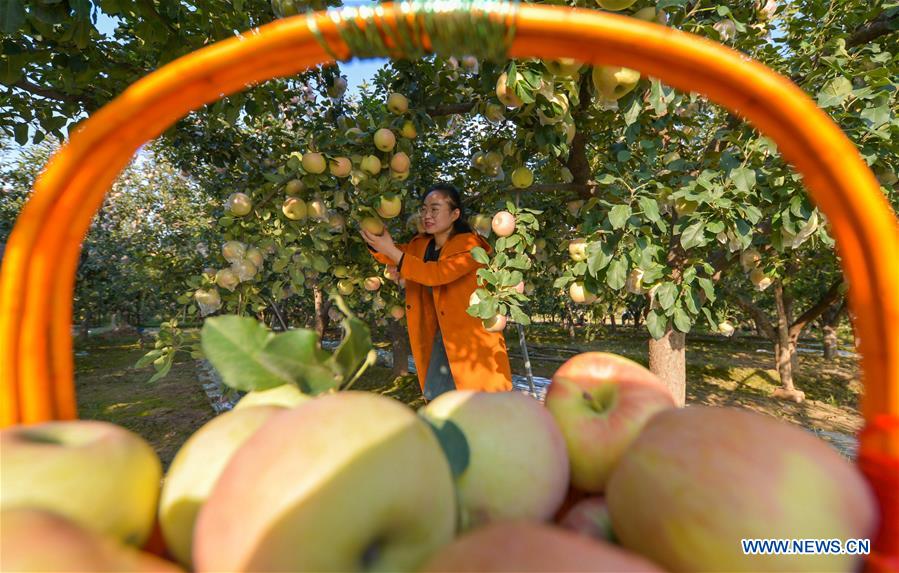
477,358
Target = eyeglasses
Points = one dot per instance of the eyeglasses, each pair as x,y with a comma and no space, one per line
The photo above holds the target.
434,211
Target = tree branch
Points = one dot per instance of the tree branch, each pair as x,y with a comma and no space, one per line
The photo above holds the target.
451,109
758,315
832,294
50,93
885,23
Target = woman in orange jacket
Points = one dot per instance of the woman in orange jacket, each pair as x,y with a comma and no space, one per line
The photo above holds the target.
451,348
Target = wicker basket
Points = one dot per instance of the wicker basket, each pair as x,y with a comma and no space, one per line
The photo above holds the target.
42,254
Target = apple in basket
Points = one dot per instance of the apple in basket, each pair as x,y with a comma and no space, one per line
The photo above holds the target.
699,480
99,475
517,466
532,546
601,401
345,482
590,517
196,468
39,540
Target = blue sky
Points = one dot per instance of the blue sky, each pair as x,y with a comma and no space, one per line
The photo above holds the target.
356,71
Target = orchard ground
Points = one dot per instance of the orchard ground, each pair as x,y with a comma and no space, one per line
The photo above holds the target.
721,372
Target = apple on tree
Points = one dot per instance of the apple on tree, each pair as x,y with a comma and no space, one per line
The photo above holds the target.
408,130
314,162
397,104
340,167
384,139
372,284
614,82
577,250
495,324
507,96
371,164
239,204
522,177
373,225
294,187
400,162
227,279
389,206
579,293
503,224
294,208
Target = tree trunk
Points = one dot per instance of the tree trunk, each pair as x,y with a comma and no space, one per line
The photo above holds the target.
84,331
785,348
829,323
399,343
612,319
322,306
668,361
571,332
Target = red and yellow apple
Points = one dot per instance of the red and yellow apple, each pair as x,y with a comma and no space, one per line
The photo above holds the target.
239,204
495,324
40,540
725,474
530,546
294,208
389,206
503,224
314,162
318,488
590,517
340,167
397,103
601,401
384,139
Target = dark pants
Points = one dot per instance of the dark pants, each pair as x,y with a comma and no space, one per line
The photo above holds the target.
439,378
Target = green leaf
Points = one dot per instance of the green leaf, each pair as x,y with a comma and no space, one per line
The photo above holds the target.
650,208
250,357
353,349
632,114
12,16
693,236
618,215
453,442
682,320
519,316
657,324
834,92
666,295
21,133
163,370
743,178
616,276
480,255
708,287
597,258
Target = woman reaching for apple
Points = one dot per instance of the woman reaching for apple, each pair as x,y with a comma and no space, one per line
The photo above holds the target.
451,348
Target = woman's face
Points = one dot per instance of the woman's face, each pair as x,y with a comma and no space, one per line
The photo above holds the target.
437,214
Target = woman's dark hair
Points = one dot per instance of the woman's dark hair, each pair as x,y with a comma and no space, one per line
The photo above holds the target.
449,191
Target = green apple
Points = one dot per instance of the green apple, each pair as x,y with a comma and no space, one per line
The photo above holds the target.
522,177
294,187
389,206
239,204
408,130
196,468
39,540
384,139
602,401
397,103
314,162
489,489
227,279
615,5
286,395
101,476
506,95
294,208
371,164
373,225
563,67
579,293
345,287
351,481
577,250
614,82
317,210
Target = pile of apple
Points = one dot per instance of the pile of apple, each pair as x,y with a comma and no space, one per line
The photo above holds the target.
607,475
